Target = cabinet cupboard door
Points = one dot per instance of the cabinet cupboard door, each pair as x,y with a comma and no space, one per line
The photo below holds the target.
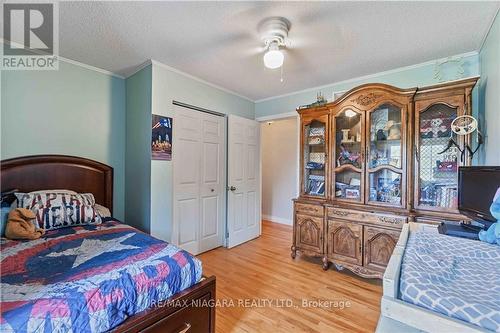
386,158
344,242
436,173
378,246
348,153
309,233
314,161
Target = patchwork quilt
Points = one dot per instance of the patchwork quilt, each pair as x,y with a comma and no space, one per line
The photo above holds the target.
88,278
457,277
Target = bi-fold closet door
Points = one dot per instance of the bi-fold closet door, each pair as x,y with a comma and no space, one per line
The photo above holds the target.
199,180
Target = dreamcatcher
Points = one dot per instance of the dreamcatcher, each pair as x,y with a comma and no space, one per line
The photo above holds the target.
464,125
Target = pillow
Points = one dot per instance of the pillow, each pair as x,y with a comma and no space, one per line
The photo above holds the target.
102,211
56,209
4,215
5,208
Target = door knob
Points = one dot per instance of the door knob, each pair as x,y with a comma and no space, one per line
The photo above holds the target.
232,188
211,190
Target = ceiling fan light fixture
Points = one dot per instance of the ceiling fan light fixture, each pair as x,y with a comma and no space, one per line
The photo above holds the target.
273,58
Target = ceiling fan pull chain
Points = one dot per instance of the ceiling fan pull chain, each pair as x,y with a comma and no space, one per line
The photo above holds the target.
281,78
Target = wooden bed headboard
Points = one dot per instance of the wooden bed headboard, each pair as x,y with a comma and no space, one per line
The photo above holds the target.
52,172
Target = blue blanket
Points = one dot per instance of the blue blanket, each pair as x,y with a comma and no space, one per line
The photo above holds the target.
453,276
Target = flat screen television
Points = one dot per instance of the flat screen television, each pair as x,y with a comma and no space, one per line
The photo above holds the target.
477,186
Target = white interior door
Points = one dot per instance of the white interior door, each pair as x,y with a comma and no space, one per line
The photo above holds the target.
198,173
244,208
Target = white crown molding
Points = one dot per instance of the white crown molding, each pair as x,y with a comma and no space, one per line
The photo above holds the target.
277,116
71,61
369,76
139,68
192,77
90,67
490,26
143,65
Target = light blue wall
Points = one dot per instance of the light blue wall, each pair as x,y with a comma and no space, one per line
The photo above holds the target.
169,85
490,93
406,77
137,149
78,111
72,111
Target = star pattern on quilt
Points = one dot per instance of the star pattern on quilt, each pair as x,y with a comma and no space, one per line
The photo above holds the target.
134,271
91,248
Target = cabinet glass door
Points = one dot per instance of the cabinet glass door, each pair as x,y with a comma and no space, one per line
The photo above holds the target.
437,167
349,149
385,155
315,147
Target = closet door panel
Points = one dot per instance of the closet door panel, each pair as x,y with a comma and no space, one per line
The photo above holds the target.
212,193
199,180
210,216
189,178
211,161
188,212
187,152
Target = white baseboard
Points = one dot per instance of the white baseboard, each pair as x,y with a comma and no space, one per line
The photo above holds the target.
276,219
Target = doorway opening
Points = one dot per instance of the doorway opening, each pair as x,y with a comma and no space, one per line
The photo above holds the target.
280,168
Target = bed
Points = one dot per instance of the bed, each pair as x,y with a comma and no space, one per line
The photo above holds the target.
438,283
93,278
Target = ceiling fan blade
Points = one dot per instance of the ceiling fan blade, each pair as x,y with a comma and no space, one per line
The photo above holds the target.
253,51
254,12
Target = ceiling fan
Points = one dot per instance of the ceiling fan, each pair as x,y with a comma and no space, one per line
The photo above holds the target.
274,34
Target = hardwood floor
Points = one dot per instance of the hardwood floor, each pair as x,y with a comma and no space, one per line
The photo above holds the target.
261,271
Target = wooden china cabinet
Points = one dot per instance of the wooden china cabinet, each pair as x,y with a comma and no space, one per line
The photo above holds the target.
370,162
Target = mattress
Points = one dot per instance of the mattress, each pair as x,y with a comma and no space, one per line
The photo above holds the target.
88,278
456,277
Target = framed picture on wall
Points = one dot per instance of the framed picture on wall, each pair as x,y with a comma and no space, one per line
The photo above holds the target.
161,138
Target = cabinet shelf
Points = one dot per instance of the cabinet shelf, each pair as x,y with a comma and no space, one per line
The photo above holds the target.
387,142
347,167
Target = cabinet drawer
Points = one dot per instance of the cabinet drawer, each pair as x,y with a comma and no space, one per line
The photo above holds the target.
366,217
309,209
189,319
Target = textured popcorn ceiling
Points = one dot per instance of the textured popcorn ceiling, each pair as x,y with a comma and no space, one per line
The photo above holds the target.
218,41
